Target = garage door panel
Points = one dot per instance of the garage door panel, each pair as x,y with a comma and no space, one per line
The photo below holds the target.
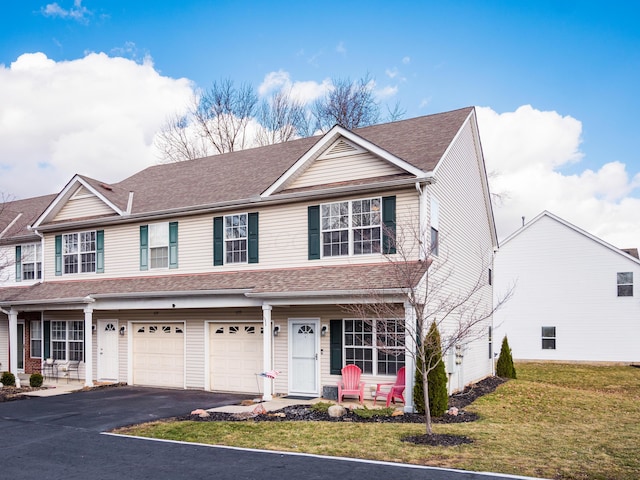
235,356
158,354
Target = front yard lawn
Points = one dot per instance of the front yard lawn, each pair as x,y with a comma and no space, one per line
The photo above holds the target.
555,421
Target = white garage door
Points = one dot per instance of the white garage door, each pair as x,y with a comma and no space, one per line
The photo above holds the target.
158,354
235,351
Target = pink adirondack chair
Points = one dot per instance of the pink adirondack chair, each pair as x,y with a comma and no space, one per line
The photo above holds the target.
350,383
395,392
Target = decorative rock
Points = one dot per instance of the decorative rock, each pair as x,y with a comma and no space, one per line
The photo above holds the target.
259,410
246,403
201,413
397,413
453,411
18,382
336,411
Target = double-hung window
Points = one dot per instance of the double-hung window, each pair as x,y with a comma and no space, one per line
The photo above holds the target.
376,346
159,245
36,338
351,228
67,340
548,338
235,238
625,284
79,252
29,262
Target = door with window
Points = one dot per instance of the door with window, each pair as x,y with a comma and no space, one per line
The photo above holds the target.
108,350
303,359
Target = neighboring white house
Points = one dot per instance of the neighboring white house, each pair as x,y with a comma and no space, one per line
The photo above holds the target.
575,297
202,274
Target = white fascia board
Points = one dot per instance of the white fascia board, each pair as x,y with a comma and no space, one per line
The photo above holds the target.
328,139
65,194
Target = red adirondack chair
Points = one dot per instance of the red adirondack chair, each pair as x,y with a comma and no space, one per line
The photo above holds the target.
396,391
350,383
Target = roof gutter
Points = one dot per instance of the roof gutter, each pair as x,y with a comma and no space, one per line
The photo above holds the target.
56,301
180,293
326,293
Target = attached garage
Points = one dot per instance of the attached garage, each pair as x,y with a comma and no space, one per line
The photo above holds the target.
235,356
158,354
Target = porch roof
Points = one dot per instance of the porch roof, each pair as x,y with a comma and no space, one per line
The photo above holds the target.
334,280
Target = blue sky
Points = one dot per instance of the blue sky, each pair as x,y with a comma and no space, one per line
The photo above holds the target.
576,63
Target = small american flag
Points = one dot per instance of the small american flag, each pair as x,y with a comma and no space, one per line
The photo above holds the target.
270,374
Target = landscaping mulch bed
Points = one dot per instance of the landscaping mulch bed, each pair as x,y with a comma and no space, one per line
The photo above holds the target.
306,413
12,393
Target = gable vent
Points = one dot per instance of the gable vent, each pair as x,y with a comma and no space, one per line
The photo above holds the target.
341,147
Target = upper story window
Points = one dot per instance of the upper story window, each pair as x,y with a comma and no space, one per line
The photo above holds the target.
548,338
79,252
235,238
434,244
625,284
159,245
351,227
28,262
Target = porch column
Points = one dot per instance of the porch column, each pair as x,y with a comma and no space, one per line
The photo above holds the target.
13,341
409,359
88,346
266,349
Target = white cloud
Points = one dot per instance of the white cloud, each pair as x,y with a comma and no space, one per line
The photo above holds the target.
527,150
386,92
341,49
406,60
391,72
303,91
77,12
95,116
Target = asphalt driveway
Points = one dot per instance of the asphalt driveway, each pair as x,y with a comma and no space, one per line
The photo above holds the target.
60,438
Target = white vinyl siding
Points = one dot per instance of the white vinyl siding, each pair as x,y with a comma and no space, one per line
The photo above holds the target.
282,241
340,169
465,247
83,207
595,324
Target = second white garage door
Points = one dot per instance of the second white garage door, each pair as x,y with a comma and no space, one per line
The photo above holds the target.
235,356
158,354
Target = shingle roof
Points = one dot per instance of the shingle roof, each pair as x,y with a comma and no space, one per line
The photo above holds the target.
345,279
30,208
246,174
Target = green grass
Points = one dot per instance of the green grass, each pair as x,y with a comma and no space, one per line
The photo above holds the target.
555,421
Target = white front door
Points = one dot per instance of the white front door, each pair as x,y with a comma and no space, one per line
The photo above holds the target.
108,350
303,359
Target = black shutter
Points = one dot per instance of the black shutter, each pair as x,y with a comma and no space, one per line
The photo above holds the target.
389,225
314,232
252,248
218,245
335,346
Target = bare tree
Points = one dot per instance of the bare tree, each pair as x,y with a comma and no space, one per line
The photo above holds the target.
347,103
281,118
179,139
458,304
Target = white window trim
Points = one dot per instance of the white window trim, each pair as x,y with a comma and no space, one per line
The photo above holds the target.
37,260
79,253
351,229
374,348
67,340
32,337
618,284
225,239
159,245
554,338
